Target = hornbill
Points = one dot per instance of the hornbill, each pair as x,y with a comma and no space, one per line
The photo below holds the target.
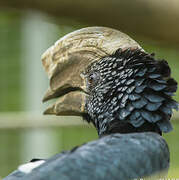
105,76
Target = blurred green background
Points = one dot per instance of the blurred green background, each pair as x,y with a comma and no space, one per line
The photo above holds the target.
23,38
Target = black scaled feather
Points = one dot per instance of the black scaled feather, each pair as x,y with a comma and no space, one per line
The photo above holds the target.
138,80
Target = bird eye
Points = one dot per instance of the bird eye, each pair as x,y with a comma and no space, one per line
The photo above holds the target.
93,78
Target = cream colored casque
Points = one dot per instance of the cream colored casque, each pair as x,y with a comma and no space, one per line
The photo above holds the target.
67,60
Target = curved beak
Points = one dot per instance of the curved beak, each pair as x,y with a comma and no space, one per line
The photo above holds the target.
67,85
68,59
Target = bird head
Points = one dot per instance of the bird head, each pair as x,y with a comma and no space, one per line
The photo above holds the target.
105,76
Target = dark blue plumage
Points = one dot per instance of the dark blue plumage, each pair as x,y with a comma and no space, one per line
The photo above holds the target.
117,156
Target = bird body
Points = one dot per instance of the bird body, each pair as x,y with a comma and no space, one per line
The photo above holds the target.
116,156
104,76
